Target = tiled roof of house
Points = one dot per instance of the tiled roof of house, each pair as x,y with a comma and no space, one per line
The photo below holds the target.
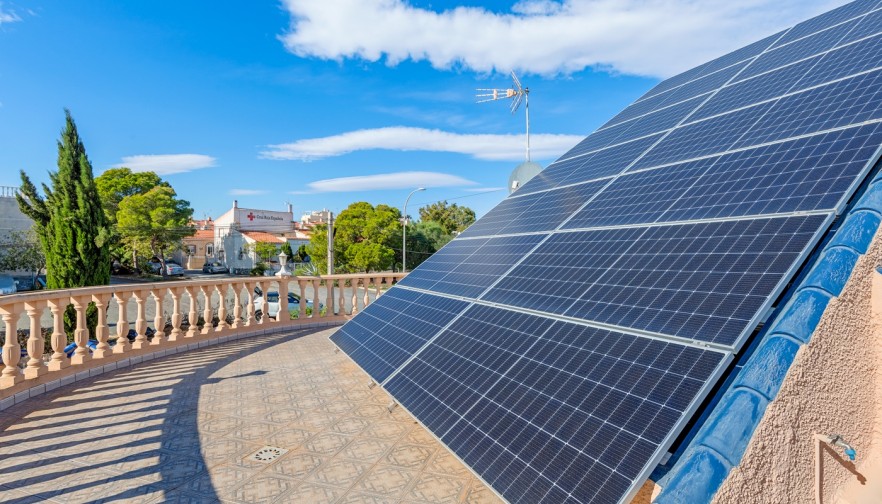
260,236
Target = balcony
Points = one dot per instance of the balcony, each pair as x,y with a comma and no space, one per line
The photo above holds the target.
233,410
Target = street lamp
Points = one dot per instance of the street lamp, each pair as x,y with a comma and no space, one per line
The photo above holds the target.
404,233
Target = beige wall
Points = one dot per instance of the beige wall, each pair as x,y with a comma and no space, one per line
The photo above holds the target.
832,387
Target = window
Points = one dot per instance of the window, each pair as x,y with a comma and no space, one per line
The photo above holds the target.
209,250
191,250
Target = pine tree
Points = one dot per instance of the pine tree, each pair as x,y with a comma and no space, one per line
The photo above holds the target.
69,221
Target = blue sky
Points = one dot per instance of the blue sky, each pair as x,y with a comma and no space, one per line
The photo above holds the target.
271,102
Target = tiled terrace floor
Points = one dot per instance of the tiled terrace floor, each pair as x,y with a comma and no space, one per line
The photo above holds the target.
179,429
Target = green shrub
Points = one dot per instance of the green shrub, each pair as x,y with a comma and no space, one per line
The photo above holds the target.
295,312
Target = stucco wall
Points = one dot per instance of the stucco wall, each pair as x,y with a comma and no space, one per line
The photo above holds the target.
832,387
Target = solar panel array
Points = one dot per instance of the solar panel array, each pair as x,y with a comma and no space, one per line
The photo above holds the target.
560,343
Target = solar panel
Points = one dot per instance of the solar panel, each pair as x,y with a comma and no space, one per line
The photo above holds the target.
550,411
392,328
596,306
470,275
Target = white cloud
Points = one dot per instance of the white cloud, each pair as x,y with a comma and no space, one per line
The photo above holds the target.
489,147
7,16
397,180
247,192
167,164
644,37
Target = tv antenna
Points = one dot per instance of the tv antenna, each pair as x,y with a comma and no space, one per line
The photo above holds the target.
517,94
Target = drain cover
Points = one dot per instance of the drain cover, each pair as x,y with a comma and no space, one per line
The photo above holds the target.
267,454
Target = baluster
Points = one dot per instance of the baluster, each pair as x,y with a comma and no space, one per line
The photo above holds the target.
59,338
329,298
264,306
81,334
367,285
206,310
283,315
249,306
102,330
341,301
122,324
301,309
354,283
158,318
237,308
176,314
221,307
315,297
192,329
35,366
11,349
378,287
140,320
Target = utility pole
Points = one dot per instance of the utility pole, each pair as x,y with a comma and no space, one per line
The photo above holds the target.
330,243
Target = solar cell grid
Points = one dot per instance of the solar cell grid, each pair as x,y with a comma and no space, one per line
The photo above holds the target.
745,53
555,275
558,408
610,161
552,208
870,24
432,270
850,101
800,49
639,197
702,281
470,276
392,328
697,139
827,19
844,61
794,176
760,88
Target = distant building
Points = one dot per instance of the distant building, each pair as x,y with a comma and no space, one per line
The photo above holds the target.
314,217
11,218
199,248
237,230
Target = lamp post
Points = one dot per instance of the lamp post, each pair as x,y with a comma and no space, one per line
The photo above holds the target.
404,232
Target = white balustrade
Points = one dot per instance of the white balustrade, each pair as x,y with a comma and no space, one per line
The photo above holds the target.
112,305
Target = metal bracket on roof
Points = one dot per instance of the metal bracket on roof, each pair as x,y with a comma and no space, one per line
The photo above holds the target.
372,384
391,406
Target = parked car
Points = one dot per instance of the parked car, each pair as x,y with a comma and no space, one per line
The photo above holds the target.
171,268
215,267
7,285
30,283
272,302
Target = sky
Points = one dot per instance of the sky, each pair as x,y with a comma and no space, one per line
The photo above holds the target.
321,103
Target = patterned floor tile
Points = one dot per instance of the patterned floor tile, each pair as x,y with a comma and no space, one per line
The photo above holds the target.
438,489
328,443
314,494
180,429
339,472
410,456
297,465
385,480
263,488
367,449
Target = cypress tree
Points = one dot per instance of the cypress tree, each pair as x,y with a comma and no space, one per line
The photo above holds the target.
69,221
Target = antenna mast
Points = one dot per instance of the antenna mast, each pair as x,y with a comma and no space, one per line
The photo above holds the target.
517,94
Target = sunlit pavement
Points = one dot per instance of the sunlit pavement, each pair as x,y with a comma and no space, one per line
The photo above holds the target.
182,428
